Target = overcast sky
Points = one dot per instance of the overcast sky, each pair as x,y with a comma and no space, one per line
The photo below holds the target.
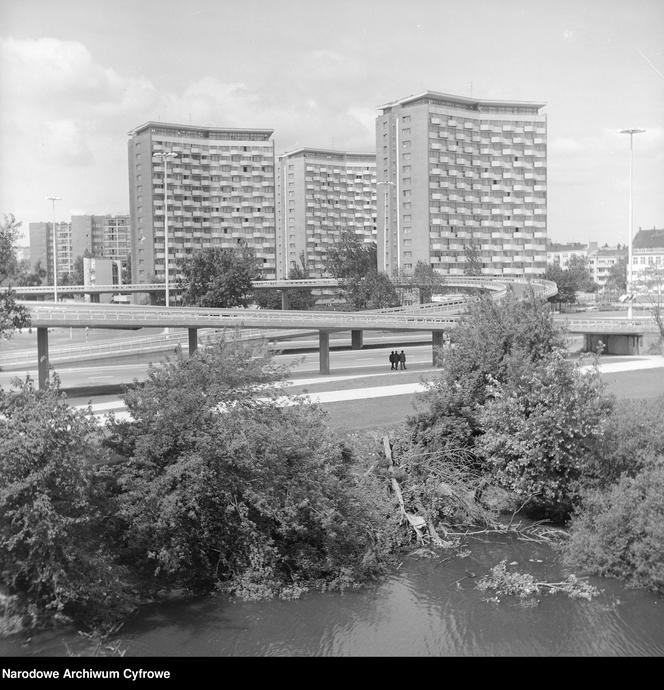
77,75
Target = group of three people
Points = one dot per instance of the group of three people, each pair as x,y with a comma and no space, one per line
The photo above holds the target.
397,359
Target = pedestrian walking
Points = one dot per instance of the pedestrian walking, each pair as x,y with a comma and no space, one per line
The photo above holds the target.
393,364
402,359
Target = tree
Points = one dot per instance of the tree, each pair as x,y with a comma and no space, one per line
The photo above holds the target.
580,274
219,277
13,316
30,276
76,277
354,263
126,270
541,430
566,288
473,264
53,554
426,279
226,489
575,278
617,278
300,299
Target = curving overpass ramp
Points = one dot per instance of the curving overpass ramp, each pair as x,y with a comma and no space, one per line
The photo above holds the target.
436,318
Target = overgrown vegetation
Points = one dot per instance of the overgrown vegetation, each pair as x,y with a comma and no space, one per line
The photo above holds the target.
54,559
13,316
220,482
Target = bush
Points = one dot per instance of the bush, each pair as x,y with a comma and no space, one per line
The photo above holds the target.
634,431
619,531
484,345
257,499
541,430
53,556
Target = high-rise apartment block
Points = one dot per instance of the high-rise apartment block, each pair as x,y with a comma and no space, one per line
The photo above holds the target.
320,194
41,248
108,235
455,173
220,191
85,235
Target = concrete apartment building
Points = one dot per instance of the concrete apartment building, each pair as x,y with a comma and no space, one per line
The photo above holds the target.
109,235
69,246
96,235
221,191
454,172
321,193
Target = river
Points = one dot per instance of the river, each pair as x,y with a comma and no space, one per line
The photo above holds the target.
427,607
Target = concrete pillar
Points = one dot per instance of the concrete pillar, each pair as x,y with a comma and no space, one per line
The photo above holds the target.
193,340
42,357
436,343
357,339
284,300
324,351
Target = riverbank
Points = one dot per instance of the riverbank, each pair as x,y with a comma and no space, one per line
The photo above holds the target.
425,607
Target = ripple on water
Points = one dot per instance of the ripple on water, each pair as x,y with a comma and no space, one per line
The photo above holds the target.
427,608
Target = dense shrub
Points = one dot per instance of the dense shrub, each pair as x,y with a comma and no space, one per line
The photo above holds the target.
541,430
634,431
619,531
484,345
53,556
255,498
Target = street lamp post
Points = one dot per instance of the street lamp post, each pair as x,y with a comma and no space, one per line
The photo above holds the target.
386,228
53,199
631,133
164,156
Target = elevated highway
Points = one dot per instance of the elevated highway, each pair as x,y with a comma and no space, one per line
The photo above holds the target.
436,318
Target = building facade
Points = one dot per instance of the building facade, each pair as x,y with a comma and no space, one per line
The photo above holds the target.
108,234
320,194
648,257
85,235
561,252
599,260
456,173
221,191
68,247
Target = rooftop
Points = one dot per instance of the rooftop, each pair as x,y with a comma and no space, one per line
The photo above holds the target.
327,152
648,239
471,103
183,129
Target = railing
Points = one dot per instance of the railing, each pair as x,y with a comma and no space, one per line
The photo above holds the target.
108,315
124,346
610,326
495,283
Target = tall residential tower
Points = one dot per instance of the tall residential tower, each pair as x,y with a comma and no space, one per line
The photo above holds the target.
320,194
458,176
220,190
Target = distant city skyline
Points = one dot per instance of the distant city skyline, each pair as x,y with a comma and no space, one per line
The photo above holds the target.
76,77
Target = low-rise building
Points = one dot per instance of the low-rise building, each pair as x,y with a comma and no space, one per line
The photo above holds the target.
647,251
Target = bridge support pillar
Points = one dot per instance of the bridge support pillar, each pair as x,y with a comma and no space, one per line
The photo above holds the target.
436,344
357,340
284,300
324,351
193,340
42,357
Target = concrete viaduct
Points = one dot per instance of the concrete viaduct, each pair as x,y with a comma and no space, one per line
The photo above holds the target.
436,318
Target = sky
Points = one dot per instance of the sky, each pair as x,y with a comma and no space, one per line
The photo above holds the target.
77,75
